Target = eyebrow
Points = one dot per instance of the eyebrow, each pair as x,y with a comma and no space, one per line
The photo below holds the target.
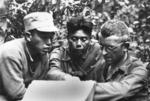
107,45
80,36
110,45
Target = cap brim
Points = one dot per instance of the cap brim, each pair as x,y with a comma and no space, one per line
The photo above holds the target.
48,29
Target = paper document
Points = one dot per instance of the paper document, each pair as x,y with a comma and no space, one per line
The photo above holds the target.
60,91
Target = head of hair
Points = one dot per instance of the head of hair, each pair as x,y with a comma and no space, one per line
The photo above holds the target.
77,23
114,27
117,28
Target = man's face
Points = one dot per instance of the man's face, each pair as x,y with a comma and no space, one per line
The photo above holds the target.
3,27
112,50
79,41
42,41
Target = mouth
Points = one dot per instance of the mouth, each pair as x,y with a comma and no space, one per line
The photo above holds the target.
108,59
78,50
46,50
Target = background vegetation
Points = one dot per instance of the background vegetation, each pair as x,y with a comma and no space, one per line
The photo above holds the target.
135,13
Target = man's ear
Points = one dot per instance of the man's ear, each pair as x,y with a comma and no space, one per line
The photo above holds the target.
28,36
125,46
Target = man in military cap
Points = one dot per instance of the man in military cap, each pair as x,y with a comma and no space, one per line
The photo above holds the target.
25,59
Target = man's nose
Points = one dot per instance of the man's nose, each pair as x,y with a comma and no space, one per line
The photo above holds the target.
79,43
104,52
48,42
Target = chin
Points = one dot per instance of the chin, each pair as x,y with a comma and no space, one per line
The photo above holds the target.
44,52
109,63
77,53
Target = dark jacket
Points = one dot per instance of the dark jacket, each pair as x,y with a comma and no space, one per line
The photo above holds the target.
126,82
85,67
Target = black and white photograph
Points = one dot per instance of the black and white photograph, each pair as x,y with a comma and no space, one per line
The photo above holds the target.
74,50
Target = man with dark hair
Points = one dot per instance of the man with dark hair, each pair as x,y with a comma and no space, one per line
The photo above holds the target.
82,57
124,76
26,59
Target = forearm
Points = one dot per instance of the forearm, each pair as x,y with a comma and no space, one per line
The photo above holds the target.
113,91
11,79
127,87
57,74
14,89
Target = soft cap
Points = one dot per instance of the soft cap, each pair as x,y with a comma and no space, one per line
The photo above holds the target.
41,21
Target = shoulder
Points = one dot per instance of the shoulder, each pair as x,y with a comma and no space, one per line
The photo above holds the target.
58,50
95,48
95,45
137,62
12,48
11,55
137,65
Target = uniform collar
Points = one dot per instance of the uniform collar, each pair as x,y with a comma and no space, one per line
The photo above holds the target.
122,66
27,51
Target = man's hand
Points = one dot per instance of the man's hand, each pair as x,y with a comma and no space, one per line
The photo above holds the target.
68,77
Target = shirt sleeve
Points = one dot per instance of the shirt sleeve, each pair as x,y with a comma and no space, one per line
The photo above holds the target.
11,76
55,72
128,86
